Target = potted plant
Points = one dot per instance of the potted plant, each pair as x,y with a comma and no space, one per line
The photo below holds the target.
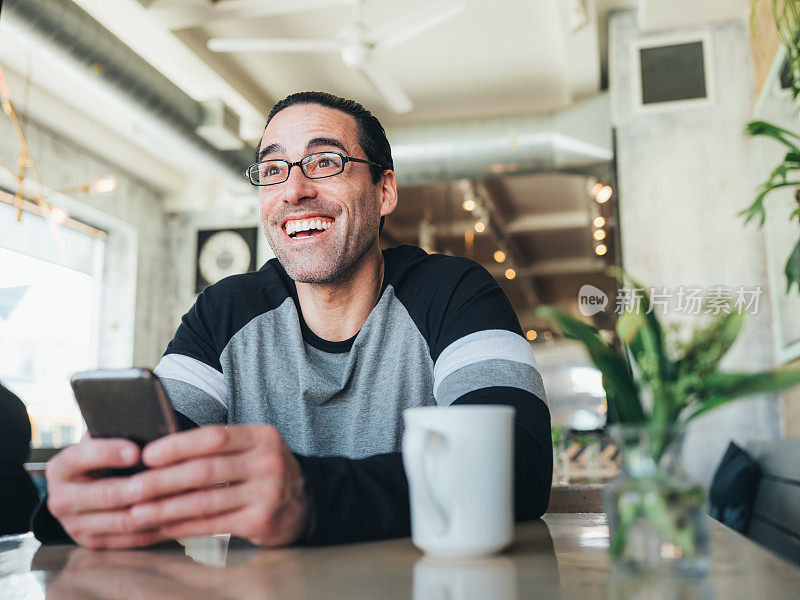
656,514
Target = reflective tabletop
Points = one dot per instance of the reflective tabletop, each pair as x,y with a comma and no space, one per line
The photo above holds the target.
561,556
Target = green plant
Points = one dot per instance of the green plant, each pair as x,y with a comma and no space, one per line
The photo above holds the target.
684,382
684,385
786,16
557,433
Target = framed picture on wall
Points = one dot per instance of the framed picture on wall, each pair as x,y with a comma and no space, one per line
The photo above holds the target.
224,252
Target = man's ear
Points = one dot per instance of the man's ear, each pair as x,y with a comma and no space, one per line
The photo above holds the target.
388,191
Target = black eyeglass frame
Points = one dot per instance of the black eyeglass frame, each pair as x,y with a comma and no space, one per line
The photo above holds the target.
299,163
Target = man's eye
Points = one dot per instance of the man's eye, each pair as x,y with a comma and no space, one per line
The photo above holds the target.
324,162
273,170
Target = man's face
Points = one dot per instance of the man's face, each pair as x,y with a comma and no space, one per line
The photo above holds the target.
347,205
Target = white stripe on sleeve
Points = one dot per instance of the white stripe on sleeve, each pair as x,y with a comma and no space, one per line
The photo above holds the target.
194,372
480,346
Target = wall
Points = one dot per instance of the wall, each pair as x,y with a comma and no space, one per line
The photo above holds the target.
182,247
683,174
134,327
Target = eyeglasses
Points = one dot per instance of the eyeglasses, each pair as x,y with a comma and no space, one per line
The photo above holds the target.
318,165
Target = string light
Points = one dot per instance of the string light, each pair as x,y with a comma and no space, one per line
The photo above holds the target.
531,335
469,205
604,195
480,227
600,249
510,273
596,188
599,234
58,215
547,335
599,221
105,185
500,256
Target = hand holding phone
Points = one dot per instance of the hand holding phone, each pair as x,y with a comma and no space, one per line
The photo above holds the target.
124,403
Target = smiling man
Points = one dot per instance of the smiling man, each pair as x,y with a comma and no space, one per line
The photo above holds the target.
291,381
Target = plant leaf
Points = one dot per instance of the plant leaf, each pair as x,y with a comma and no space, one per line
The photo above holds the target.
792,269
755,128
724,387
756,209
641,330
622,393
704,352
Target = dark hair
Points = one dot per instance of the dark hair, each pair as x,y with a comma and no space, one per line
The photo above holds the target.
371,135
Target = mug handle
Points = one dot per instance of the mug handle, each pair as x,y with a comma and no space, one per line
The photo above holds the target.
418,441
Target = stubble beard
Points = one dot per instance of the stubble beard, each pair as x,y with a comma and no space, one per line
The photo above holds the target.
330,267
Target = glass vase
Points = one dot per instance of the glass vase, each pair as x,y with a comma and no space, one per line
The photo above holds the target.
656,515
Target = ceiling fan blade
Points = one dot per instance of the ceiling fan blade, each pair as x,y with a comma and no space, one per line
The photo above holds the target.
183,15
403,28
273,45
263,8
393,95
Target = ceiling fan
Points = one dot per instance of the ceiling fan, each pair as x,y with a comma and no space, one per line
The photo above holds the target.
356,44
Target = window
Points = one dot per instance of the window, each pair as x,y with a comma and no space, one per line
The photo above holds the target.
49,305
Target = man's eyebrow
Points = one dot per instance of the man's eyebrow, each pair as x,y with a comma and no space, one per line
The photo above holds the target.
324,141
269,150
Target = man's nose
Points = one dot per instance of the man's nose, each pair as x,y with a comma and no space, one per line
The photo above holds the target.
298,187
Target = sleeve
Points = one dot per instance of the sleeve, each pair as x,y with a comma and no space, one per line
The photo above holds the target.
480,357
190,368
477,342
367,499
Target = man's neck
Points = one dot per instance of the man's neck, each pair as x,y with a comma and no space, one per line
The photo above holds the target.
337,311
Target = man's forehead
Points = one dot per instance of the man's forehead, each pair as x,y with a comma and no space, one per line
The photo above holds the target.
300,123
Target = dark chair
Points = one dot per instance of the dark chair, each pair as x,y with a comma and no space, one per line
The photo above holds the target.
18,494
776,511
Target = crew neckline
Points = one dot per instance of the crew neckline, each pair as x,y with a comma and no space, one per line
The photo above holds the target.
311,338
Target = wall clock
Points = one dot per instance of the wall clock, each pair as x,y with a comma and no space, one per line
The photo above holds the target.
224,252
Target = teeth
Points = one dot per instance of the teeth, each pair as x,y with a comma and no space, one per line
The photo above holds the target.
293,227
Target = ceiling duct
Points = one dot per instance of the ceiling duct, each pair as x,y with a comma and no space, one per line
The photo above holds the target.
90,49
574,140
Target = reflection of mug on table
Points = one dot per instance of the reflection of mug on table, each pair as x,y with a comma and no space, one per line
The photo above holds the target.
493,578
459,462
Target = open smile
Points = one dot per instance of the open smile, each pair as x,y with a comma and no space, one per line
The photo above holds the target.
307,226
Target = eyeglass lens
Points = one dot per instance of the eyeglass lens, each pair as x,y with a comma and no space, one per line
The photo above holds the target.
314,166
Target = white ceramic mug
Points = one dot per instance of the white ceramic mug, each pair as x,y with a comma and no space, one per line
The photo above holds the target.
459,462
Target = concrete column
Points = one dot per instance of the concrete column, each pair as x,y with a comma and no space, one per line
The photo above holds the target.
683,174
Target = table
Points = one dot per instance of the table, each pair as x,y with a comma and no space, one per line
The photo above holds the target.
561,556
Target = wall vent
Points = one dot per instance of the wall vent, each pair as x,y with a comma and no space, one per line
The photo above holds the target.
671,74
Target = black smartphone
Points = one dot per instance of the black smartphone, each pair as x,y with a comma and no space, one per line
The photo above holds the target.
124,403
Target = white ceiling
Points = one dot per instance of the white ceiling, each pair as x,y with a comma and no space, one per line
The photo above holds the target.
497,57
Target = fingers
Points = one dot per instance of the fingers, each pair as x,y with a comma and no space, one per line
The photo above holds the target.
126,540
223,523
79,460
201,503
186,476
203,441
89,496
98,524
